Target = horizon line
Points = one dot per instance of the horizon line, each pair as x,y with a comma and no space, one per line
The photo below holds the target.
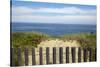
52,23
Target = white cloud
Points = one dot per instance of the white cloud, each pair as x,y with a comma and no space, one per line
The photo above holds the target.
21,10
25,14
55,19
65,10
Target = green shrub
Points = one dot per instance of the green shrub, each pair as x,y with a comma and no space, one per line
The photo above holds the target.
24,39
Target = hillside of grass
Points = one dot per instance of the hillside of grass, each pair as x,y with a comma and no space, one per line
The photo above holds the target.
27,39
85,39
32,39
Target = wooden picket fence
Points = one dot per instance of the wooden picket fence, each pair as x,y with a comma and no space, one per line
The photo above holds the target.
87,52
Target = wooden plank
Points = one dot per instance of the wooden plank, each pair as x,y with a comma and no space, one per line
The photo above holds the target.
79,54
60,55
85,54
95,54
33,57
67,54
73,54
47,55
12,57
90,54
40,56
19,58
26,56
54,55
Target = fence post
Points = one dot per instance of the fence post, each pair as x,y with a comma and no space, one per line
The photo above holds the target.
41,56
19,57
90,54
67,54
73,54
26,56
33,56
85,54
54,55
95,54
60,55
47,55
79,54
12,57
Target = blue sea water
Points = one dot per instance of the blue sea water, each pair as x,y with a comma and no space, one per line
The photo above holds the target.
52,29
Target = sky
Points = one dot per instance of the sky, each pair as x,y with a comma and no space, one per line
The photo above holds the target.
42,12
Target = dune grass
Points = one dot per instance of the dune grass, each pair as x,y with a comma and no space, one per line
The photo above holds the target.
27,39
85,39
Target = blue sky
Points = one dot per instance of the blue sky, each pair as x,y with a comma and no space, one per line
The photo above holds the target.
40,12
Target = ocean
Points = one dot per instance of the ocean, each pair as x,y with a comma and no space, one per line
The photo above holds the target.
52,29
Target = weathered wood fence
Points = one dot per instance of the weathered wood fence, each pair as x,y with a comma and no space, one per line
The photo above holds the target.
87,53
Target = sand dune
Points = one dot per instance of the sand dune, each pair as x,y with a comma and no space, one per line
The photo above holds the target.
59,43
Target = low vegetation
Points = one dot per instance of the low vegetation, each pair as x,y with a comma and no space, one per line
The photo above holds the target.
27,39
85,39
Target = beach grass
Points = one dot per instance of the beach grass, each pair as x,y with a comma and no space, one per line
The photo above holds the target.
85,39
27,39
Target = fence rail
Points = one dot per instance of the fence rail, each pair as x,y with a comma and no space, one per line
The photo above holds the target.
88,53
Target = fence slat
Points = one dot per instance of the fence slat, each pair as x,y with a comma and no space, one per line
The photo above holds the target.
12,57
95,54
33,57
85,54
19,57
85,57
47,55
26,56
67,54
73,54
54,55
79,54
60,55
40,56
90,54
